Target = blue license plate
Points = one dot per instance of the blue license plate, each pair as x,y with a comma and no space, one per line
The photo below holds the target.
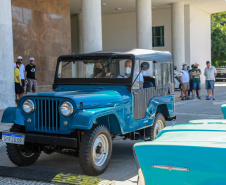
13,138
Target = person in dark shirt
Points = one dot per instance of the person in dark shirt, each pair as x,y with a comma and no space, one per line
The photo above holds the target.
31,80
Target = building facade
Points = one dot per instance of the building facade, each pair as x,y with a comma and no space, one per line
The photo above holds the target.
46,29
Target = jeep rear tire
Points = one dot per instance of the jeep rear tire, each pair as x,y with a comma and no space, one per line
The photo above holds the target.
95,150
157,126
21,155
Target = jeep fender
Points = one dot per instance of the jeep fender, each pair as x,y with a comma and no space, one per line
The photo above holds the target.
13,115
84,119
168,101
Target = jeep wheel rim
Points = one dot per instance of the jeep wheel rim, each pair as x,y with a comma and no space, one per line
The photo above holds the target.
158,127
100,150
25,153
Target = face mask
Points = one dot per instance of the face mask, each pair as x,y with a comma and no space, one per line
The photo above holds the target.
97,70
185,67
128,70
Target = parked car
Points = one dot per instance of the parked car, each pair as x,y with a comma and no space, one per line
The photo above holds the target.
95,98
221,73
192,153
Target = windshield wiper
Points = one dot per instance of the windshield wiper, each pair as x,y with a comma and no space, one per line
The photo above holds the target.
66,64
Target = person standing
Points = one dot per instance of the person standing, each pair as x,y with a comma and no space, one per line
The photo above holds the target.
31,80
210,74
22,70
184,80
18,83
190,80
196,81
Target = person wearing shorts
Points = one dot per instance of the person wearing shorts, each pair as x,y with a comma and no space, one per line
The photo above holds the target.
184,80
31,80
196,81
18,84
210,73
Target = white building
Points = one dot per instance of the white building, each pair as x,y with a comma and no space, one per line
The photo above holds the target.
182,27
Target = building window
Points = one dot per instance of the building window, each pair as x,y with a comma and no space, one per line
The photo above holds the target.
158,36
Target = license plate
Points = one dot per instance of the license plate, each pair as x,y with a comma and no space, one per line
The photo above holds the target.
222,74
13,138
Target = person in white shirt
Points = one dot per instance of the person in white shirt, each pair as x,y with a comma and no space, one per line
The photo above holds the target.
22,70
184,80
210,73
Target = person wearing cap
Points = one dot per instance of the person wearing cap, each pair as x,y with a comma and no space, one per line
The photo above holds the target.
18,83
22,70
31,80
184,80
196,80
210,73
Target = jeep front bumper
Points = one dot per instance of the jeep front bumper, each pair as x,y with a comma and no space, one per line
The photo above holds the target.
46,139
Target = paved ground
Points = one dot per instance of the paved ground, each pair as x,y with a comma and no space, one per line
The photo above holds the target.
122,169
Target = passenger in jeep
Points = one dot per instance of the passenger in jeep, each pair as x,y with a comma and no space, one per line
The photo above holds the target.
99,71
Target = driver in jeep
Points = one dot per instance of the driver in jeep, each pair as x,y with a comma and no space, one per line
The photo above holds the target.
128,67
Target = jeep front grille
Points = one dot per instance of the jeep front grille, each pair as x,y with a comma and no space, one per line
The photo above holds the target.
47,115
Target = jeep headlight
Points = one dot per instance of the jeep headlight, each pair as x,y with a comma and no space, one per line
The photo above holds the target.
66,109
28,106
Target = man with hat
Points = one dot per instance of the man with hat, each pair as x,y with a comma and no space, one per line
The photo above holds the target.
210,73
22,70
196,80
31,80
184,80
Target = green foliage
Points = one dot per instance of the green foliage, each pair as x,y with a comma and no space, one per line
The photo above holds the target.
218,37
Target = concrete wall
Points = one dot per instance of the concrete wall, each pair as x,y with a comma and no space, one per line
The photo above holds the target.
41,29
74,34
198,37
119,30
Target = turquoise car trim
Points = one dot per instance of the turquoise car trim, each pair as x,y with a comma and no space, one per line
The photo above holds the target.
223,108
198,146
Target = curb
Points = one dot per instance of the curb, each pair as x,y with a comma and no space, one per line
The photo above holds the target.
1,144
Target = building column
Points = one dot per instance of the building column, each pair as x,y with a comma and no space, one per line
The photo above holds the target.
7,88
144,24
178,36
80,40
91,25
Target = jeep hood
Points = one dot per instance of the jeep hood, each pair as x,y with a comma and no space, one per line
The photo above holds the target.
89,98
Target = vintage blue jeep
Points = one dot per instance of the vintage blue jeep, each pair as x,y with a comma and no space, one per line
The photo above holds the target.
95,97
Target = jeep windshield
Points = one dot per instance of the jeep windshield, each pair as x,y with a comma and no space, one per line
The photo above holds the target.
105,68
109,70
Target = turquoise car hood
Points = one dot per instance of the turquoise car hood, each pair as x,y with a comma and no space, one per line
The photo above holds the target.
199,146
90,98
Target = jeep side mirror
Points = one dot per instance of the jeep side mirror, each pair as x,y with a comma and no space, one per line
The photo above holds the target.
145,66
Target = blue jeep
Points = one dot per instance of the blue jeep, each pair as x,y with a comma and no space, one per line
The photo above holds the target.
96,97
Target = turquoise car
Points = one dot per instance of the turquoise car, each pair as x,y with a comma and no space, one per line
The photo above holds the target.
95,97
186,154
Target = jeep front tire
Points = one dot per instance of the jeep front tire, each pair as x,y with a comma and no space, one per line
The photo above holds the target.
95,150
21,155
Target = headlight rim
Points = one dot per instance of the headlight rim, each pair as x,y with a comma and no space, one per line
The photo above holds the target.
71,113
33,106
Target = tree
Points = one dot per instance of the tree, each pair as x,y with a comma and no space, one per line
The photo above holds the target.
218,39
